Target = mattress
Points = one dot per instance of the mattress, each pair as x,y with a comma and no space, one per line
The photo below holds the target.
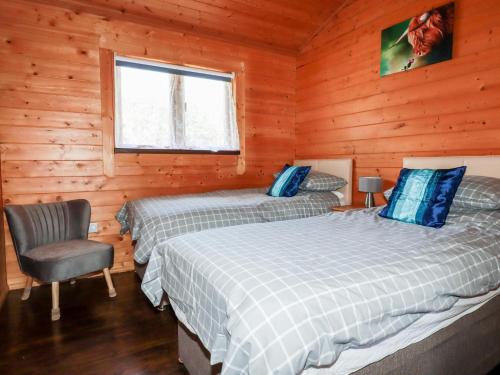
286,296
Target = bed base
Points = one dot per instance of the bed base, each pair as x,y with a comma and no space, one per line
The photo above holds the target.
469,346
140,269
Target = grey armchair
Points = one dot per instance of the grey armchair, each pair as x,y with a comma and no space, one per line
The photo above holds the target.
51,245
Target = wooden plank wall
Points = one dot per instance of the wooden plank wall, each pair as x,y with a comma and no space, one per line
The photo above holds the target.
344,108
4,288
50,123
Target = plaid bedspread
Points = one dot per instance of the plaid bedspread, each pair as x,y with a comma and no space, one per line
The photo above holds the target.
152,221
284,296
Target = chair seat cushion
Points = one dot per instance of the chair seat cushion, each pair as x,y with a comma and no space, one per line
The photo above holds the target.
67,259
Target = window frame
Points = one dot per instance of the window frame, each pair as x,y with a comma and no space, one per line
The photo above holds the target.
173,69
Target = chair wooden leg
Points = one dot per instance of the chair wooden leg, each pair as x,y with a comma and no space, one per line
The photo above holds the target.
56,313
109,282
27,288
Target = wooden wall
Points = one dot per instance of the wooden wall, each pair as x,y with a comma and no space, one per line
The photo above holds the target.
344,108
4,288
51,137
328,102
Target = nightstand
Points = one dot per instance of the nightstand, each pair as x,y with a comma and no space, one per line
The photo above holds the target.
348,208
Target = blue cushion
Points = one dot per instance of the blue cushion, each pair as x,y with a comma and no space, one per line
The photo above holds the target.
288,181
423,196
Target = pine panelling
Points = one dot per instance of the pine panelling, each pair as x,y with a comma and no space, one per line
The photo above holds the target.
51,133
478,62
18,134
280,25
36,42
106,60
344,108
32,66
65,86
473,34
33,185
50,152
40,168
97,199
19,98
428,91
4,287
42,118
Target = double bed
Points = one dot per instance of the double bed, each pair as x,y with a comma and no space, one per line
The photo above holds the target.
341,293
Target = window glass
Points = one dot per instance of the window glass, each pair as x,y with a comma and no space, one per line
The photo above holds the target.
168,108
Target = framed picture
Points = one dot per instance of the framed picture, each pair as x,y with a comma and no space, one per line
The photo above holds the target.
418,41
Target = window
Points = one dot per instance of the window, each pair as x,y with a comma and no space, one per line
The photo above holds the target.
168,108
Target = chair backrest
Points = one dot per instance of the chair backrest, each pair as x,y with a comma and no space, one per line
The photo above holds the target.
36,225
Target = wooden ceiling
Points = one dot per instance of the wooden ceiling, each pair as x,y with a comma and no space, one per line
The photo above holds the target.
282,25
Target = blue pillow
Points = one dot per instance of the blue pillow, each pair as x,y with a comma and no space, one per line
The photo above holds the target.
288,181
423,196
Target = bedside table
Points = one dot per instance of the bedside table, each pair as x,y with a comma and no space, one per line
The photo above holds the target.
348,208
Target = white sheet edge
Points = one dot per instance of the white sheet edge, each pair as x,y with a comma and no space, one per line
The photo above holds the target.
352,360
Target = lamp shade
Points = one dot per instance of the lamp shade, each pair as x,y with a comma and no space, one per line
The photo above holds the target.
370,184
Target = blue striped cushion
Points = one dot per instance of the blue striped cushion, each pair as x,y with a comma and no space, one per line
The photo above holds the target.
288,181
423,196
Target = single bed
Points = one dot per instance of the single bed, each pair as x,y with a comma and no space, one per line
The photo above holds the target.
151,221
369,295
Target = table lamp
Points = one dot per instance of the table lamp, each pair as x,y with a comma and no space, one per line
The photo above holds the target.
370,185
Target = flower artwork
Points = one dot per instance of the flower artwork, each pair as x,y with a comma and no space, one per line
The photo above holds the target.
422,40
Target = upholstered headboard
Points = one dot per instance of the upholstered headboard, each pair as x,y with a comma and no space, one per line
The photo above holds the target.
476,165
338,167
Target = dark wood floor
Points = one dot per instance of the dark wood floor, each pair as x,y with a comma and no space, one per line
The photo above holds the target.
96,334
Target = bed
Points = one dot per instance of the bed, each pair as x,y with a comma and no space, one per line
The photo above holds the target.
151,221
369,295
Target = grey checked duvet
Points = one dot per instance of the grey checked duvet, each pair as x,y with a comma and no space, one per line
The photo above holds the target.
151,221
284,296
